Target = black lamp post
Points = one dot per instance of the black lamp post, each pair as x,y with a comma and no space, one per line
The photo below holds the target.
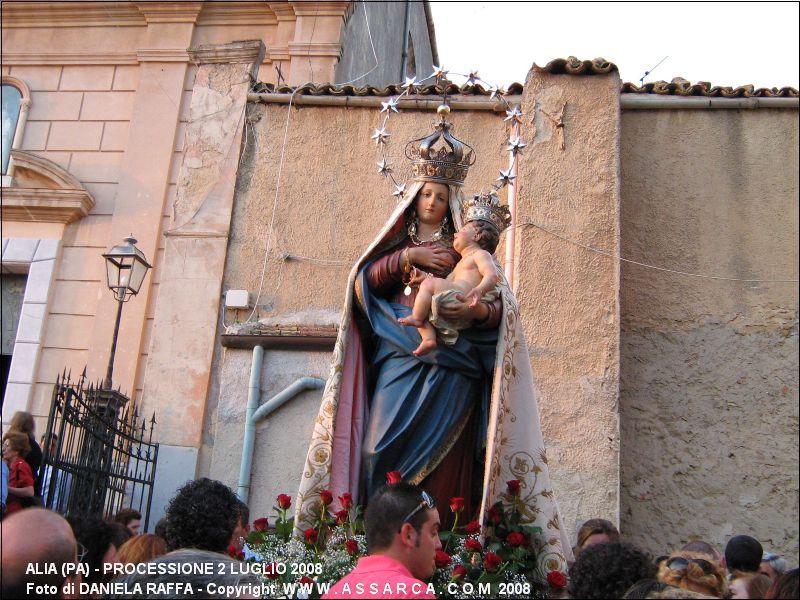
126,267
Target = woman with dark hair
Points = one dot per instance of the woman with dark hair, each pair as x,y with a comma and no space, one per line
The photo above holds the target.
23,422
785,586
608,570
595,531
20,478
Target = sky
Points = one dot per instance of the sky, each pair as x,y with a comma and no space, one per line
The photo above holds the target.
724,43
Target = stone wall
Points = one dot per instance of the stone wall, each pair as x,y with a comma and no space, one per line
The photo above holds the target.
709,367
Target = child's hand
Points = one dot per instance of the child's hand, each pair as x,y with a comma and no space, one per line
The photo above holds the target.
473,297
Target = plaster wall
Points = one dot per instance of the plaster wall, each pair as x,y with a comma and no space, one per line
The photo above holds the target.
569,192
709,368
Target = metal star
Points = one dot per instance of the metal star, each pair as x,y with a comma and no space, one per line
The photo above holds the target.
495,91
399,190
381,136
409,84
439,72
384,168
391,105
514,115
515,146
472,77
506,177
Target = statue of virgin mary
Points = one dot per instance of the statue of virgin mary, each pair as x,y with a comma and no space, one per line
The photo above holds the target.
460,421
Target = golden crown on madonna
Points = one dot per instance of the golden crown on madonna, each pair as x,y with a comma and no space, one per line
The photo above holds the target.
487,207
448,163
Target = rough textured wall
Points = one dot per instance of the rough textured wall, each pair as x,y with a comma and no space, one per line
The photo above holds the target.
709,381
569,295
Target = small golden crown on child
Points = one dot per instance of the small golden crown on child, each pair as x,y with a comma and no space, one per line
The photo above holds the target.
487,207
447,164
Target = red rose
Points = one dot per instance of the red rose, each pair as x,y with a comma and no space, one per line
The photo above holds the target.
491,561
495,515
284,501
341,517
472,527
326,497
394,477
513,487
352,547
234,552
456,504
311,535
557,579
473,545
305,579
271,571
346,500
459,572
515,538
442,559
261,524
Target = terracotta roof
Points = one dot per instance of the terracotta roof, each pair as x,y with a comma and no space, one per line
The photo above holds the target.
682,87
558,66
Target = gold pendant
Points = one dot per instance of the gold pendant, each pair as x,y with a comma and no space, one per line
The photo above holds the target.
407,291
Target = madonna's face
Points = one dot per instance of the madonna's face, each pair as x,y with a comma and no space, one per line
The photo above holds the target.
432,203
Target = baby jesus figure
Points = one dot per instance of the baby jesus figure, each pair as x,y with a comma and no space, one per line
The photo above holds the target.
473,277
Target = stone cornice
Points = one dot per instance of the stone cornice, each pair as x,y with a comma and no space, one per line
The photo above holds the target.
170,12
162,55
56,176
308,8
248,51
237,13
315,48
45,205
69,58
75,14
283,11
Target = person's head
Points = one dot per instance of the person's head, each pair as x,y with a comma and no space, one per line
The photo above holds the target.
242,527
608,570
596,531
772,565
95,535
483,234
161,528
701,547
432,203
35,535
141,548
743,553
750,585
23,422
402,521
176,570
785,586
202,515
130,518
49,442
119,534
15,443
695,572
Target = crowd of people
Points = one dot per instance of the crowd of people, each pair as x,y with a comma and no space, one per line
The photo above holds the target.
207,523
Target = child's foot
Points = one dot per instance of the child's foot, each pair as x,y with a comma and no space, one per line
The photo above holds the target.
410,321
425,347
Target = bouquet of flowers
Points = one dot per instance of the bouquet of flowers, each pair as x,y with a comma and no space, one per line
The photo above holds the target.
499,563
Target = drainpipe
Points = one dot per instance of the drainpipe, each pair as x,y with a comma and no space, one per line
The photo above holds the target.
508,265
256,413
406,25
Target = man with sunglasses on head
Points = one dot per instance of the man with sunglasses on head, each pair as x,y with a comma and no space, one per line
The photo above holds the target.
402,528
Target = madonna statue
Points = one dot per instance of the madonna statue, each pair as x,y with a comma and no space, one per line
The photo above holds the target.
460,421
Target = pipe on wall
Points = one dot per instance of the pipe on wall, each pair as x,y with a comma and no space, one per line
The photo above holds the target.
256,413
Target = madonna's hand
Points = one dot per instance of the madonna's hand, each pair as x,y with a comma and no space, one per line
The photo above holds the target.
435,259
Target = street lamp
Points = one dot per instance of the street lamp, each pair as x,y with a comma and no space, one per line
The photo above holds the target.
126,267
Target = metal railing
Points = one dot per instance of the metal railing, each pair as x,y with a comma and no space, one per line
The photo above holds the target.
98,454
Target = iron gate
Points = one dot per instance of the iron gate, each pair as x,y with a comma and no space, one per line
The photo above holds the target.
98,455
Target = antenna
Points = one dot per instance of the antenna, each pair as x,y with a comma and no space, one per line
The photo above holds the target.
646,73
